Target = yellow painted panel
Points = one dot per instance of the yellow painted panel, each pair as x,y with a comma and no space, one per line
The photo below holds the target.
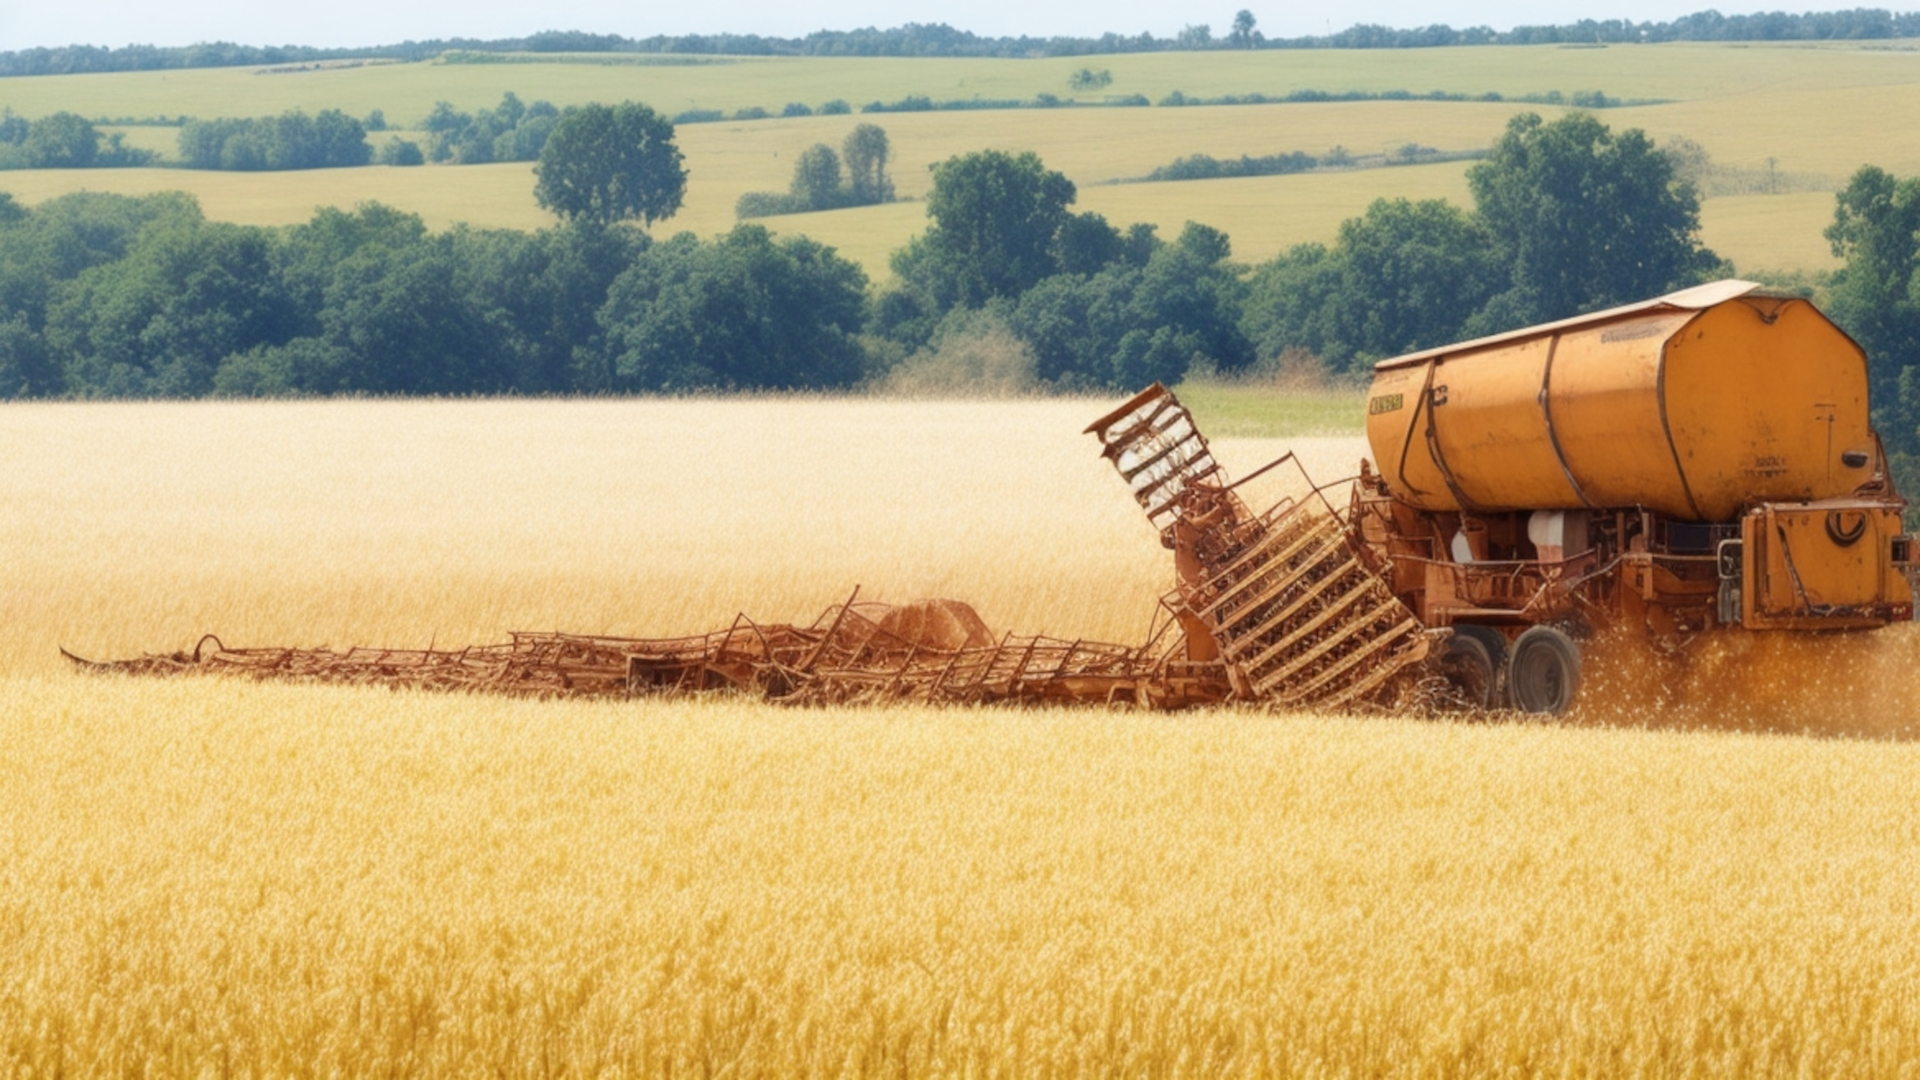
1606,413
1825,557
1493,432
1763,397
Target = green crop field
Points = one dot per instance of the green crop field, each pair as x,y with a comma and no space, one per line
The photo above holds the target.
1812,113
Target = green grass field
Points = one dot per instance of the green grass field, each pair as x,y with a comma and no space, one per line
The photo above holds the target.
1260,410
1819,111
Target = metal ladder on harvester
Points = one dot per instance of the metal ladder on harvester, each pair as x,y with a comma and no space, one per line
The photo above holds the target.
1298,618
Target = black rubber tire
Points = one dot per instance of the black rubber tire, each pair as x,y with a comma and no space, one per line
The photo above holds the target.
1469,669
1543,671
1475,660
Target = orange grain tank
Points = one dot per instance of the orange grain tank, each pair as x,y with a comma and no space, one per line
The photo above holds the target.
1697,461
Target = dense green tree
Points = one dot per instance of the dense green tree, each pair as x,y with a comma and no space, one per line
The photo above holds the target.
1404,276
1412,275
525,140
542,293
313,252
1876,295
401,325
202,143
1087,245
1242,35
292,140
994,219
336,140
157,322
816,179
63,237
743,312
26,365
63,140
866,149
402,152
604,164
1128,325
1584,219
510,131
1289,303
301,367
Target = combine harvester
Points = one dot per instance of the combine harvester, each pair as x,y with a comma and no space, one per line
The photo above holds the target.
1693,464
1697,463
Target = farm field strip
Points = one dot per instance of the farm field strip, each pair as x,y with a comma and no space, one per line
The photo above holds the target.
1263,215
1810,111
409,524
290,878
407,92
1770,232
403,523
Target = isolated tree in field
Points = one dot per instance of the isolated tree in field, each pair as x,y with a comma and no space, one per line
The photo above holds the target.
866,151
994,219
1241,36
1584,219
604,164
816,179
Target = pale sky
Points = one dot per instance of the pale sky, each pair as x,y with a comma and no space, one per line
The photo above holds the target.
26,23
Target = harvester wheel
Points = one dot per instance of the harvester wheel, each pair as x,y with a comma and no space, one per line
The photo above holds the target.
1543,671
1473,659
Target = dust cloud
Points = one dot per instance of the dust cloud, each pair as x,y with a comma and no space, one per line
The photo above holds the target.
1852,685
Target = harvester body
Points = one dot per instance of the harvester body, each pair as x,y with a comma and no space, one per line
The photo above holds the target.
1696,461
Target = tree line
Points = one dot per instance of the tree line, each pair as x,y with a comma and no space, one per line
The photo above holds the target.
292,140
104,295
920,39
114,296
510,131
62,140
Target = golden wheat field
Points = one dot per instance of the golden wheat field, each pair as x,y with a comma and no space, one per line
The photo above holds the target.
208,877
